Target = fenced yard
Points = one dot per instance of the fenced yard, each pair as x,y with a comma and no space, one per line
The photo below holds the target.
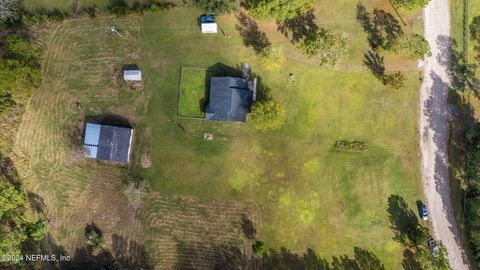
194,91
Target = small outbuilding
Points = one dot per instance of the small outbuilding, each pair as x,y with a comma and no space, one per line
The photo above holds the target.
132,75
208,24
230,99
105,142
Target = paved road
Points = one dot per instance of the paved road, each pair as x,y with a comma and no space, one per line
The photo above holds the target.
434,132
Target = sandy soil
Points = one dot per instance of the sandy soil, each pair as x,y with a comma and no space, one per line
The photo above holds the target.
434,132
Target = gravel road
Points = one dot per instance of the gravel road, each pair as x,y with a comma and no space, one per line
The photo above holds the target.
434,132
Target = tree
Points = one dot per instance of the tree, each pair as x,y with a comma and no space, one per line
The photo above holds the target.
271,58
396,80
475,36
410,5
22,50
268,115
9,11
383,30
417,47
419,235
428,260
280,10
93,237
258,248
10,199
388,28
328,46
6,102
36,230
216,6
475,28
19,71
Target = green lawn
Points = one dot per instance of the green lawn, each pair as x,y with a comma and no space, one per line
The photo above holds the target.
304,193
194,86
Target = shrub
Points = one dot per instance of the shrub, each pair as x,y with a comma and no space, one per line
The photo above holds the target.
216,6
281,10
258,248
271,58
356,146
396,80
93,237
410,4
268,115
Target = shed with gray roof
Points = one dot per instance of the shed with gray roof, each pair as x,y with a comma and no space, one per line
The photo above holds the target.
108,142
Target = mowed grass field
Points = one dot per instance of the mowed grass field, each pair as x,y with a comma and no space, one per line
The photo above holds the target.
299,192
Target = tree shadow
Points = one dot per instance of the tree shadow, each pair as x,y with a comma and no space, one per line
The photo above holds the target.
209,73
130,254
93,227
382,28
8,170
248,227
298,27
130,67
251,34
194,255
286,259
109,118
375,63
402,218
409,262
125,254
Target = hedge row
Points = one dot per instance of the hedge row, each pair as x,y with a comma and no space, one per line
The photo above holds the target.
357,146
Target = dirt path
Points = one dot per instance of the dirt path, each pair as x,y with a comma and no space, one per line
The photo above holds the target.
434,132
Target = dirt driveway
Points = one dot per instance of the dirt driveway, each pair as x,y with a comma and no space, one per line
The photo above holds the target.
434,132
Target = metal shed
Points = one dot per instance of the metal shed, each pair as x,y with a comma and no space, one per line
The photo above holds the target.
105,142
132,75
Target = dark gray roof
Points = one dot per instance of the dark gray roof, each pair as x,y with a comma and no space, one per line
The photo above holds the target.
230,99
113,144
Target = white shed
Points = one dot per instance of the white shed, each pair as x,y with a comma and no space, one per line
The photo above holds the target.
208,24
132,75
209,28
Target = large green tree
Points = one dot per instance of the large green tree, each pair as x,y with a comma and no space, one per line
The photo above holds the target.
323,43
19,71
417,47
10,199
280,10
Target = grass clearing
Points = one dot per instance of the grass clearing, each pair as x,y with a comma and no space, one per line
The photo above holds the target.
299,191
194,88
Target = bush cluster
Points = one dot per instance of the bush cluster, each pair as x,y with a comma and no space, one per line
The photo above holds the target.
357,146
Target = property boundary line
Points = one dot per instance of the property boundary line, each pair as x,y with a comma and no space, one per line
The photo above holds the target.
465,30
396,11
